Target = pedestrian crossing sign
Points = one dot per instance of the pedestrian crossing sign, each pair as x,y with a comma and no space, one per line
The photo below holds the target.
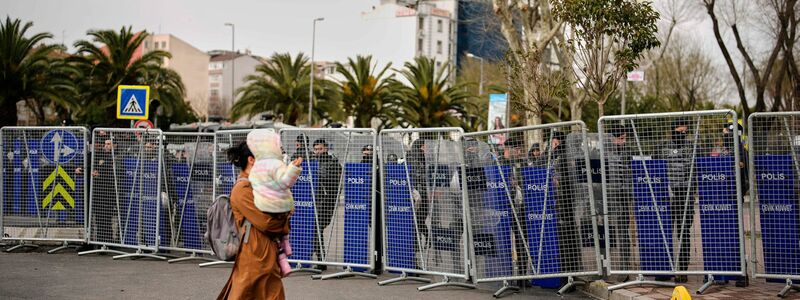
133,102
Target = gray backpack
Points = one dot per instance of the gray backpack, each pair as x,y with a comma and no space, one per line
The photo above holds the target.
221,233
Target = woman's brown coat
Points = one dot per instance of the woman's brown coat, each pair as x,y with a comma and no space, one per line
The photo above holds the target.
255,274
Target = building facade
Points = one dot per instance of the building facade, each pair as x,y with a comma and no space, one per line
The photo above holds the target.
399,30
190,63
226,74
479,32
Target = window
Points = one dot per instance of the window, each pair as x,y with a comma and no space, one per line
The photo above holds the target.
163,45
215,78
439,26
419,45
421,23
146,44
215,66
438,47
214,93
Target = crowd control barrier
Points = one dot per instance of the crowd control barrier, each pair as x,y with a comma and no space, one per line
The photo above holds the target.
43,185
658,171
226,173
425,228
125,199
774,173
188,191
334,221
530,205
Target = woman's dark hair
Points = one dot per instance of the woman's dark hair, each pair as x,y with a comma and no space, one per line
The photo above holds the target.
238,155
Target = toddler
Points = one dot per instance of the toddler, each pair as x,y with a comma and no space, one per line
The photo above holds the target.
272,181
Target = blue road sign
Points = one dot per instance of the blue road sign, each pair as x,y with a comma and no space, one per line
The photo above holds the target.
59,146
132,102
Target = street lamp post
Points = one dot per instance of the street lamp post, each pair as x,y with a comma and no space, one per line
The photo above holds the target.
311,87
233,59
480,85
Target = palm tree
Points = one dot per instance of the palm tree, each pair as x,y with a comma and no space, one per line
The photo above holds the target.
429,100
281,86
25,69
60,91
119,63
365,91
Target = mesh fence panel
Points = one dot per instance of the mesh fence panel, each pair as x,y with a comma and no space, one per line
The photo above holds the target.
423,201
529,203
333,221
774,152
124,207
671,193
43,183
226,172
187,190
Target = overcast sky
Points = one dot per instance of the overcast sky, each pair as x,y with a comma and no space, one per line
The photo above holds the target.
264,26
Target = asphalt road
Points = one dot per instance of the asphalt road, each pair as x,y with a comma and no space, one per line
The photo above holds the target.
37,275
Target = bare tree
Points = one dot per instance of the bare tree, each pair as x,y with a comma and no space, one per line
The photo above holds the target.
607,37
528,27
688,78
781,18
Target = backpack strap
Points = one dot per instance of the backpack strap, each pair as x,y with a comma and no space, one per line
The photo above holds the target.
246,225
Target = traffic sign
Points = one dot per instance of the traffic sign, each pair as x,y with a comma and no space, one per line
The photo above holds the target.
143,124
58,189
59,146
133,102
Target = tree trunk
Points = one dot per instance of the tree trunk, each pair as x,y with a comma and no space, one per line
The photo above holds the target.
575,109
8,113
601,111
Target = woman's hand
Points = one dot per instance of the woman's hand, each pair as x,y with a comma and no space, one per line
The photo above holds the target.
297,162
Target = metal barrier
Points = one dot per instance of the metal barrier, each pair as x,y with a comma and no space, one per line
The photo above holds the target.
188,187
530,204
658,169
125,198
333,223
774,173
43,185
423,205
225,172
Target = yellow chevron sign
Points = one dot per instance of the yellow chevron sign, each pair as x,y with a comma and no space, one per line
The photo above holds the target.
58,189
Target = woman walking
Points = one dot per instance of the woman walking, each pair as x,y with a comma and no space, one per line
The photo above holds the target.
256,273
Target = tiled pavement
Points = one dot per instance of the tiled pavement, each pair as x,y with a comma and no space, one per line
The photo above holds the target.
758,289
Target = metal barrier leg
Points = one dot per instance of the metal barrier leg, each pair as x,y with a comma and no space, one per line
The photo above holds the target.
446,282
216,262
789,286
571,283
138,254
22,244
299,268
194,256
404,277
103,249
506,287
63,246
346,273
640,281
709,282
